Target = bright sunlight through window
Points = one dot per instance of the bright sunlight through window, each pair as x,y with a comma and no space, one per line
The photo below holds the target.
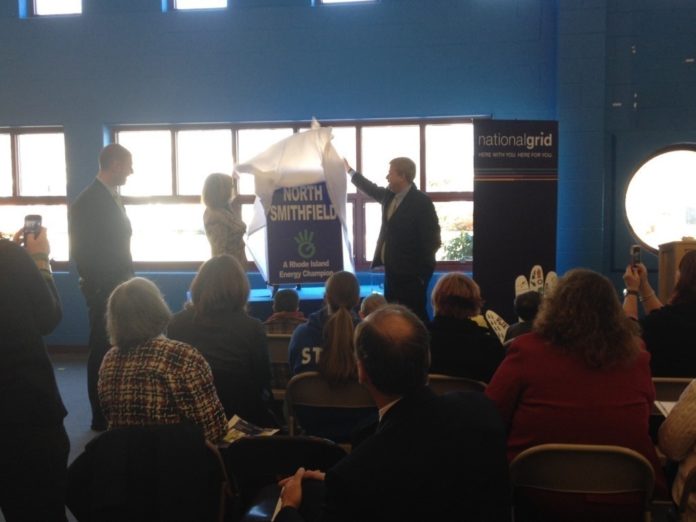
57,7
163,196
660,205
200,4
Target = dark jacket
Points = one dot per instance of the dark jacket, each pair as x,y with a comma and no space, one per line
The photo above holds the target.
412,235
236,349
668,333
462,348
100,235
431,458
30,308
144,474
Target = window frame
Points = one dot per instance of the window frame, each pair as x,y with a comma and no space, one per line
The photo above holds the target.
16,199
358,199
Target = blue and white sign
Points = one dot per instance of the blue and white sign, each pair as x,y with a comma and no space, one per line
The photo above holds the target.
304,236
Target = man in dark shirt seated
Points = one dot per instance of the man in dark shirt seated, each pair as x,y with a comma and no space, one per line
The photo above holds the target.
526,307
429,458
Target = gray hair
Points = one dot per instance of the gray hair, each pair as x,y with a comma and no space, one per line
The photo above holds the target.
136,312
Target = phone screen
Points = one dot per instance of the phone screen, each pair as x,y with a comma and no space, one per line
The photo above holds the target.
635,255
32,224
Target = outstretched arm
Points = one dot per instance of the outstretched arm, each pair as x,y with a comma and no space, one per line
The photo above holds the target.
365,185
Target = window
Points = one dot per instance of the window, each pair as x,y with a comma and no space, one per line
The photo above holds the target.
344,1
56,7
199,4
33,181
660,206
171,163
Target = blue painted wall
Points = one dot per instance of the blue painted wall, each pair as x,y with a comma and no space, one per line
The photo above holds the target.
124,61
626,84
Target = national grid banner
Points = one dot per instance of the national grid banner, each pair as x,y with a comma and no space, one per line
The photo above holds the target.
515,193
304,236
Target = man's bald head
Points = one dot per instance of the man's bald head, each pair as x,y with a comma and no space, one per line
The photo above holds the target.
394,348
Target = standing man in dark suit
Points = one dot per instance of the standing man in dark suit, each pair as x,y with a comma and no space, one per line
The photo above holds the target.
409,236
430,458
100,235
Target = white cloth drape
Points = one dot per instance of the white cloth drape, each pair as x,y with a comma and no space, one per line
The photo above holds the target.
304,158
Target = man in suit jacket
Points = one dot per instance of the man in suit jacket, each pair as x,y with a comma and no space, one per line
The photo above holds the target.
409,236
430,458
100,234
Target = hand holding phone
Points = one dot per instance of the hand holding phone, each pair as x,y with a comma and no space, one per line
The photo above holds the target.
635,255
32,225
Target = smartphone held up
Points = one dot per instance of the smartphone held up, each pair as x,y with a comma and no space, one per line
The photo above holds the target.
635,255
32,225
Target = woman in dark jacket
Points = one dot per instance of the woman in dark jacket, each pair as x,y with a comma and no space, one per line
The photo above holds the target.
234,344
458,345
33,443
668,330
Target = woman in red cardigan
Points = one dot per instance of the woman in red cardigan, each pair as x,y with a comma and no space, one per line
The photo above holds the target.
581,377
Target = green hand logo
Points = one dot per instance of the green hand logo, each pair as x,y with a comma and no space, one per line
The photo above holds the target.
305,244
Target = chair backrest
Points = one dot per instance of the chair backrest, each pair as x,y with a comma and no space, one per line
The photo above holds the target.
670,388
311,389
278,347
254,462
582,472
441,384
280,369
149,473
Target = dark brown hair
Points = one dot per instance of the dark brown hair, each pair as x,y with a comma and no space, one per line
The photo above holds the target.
583,316
685,289
220,286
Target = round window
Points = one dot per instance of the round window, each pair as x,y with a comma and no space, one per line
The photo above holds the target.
661,197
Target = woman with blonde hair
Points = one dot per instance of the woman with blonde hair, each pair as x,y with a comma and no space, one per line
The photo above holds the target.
222,218
458,345
325,344
581,377
147,379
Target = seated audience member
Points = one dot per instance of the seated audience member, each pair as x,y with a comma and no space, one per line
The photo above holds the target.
582,376
233,343
371,303
147,379
526,308
325,344
286,312
668,330
458,345
222,218
677,440
33,443
430,458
